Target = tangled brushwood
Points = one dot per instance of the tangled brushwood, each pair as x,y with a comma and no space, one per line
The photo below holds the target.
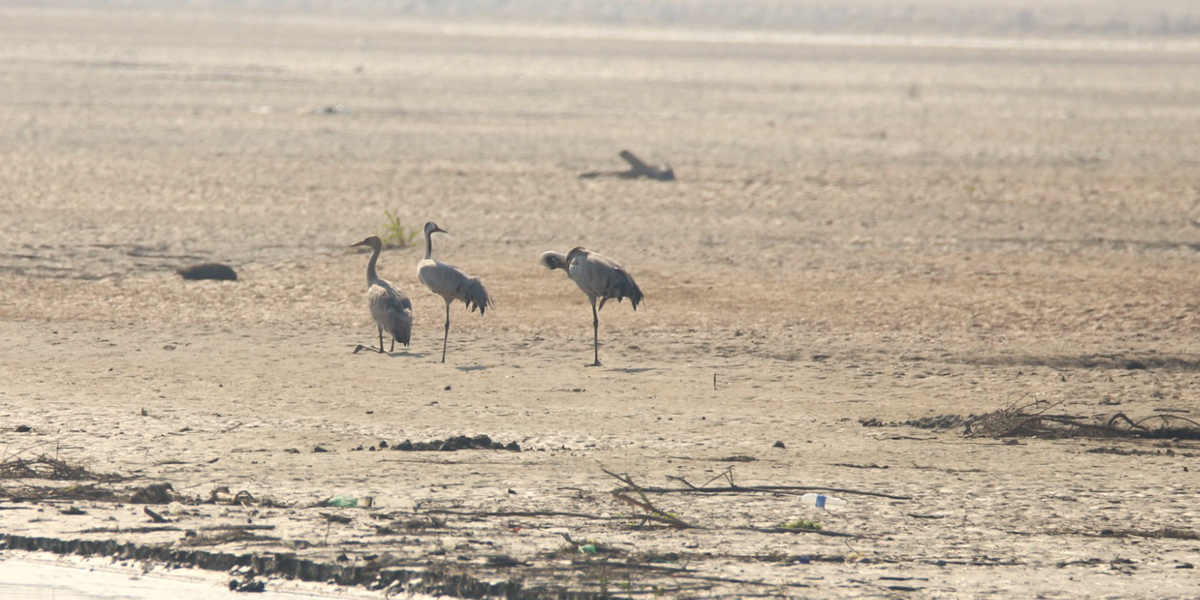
1035,419
1119,425
48,467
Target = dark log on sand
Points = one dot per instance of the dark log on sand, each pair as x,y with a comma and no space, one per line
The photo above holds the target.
208,271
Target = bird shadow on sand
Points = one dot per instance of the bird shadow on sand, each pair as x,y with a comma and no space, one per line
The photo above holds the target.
635,369
473,368
373,350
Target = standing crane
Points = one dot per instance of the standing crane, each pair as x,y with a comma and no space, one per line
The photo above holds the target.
391,309
450,283
599,277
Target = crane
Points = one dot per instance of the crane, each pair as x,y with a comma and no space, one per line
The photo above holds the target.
600,278
450,283
391,308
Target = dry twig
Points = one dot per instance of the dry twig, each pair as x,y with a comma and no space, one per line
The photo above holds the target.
653,512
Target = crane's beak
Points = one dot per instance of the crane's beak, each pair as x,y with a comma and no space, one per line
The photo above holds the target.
441,230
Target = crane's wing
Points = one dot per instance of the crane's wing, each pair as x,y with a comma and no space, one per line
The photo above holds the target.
452,284
602,277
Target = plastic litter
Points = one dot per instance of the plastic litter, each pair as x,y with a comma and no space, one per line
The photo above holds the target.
822,501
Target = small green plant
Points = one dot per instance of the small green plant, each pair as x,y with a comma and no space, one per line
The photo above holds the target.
397,234
800,524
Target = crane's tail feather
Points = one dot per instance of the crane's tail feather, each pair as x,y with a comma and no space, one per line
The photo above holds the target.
400,325
554,260
475,295
622,286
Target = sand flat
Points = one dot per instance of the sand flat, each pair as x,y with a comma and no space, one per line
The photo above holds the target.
887,231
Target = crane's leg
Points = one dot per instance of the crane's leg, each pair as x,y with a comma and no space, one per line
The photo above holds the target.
380,328
393,345
447,335
595,334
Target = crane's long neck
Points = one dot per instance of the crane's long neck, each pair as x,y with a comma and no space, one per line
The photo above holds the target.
428,243
371,275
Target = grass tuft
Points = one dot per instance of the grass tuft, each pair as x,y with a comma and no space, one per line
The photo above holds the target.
396,234
800,524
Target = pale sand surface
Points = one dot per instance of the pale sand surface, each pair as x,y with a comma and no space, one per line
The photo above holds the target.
31,577
857,232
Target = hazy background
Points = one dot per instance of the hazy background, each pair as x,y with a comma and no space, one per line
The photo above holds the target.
1162,18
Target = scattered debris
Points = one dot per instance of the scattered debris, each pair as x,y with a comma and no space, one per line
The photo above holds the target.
249,585
938,422
737,458
155,493
1135,452
458,442
222,495
409,524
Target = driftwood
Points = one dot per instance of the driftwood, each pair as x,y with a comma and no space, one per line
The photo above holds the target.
637,168
157,518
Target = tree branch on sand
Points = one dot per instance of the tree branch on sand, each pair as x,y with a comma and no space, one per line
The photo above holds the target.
637,168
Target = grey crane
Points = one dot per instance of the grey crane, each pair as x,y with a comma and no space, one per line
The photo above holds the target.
599,277
391,309
450,283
